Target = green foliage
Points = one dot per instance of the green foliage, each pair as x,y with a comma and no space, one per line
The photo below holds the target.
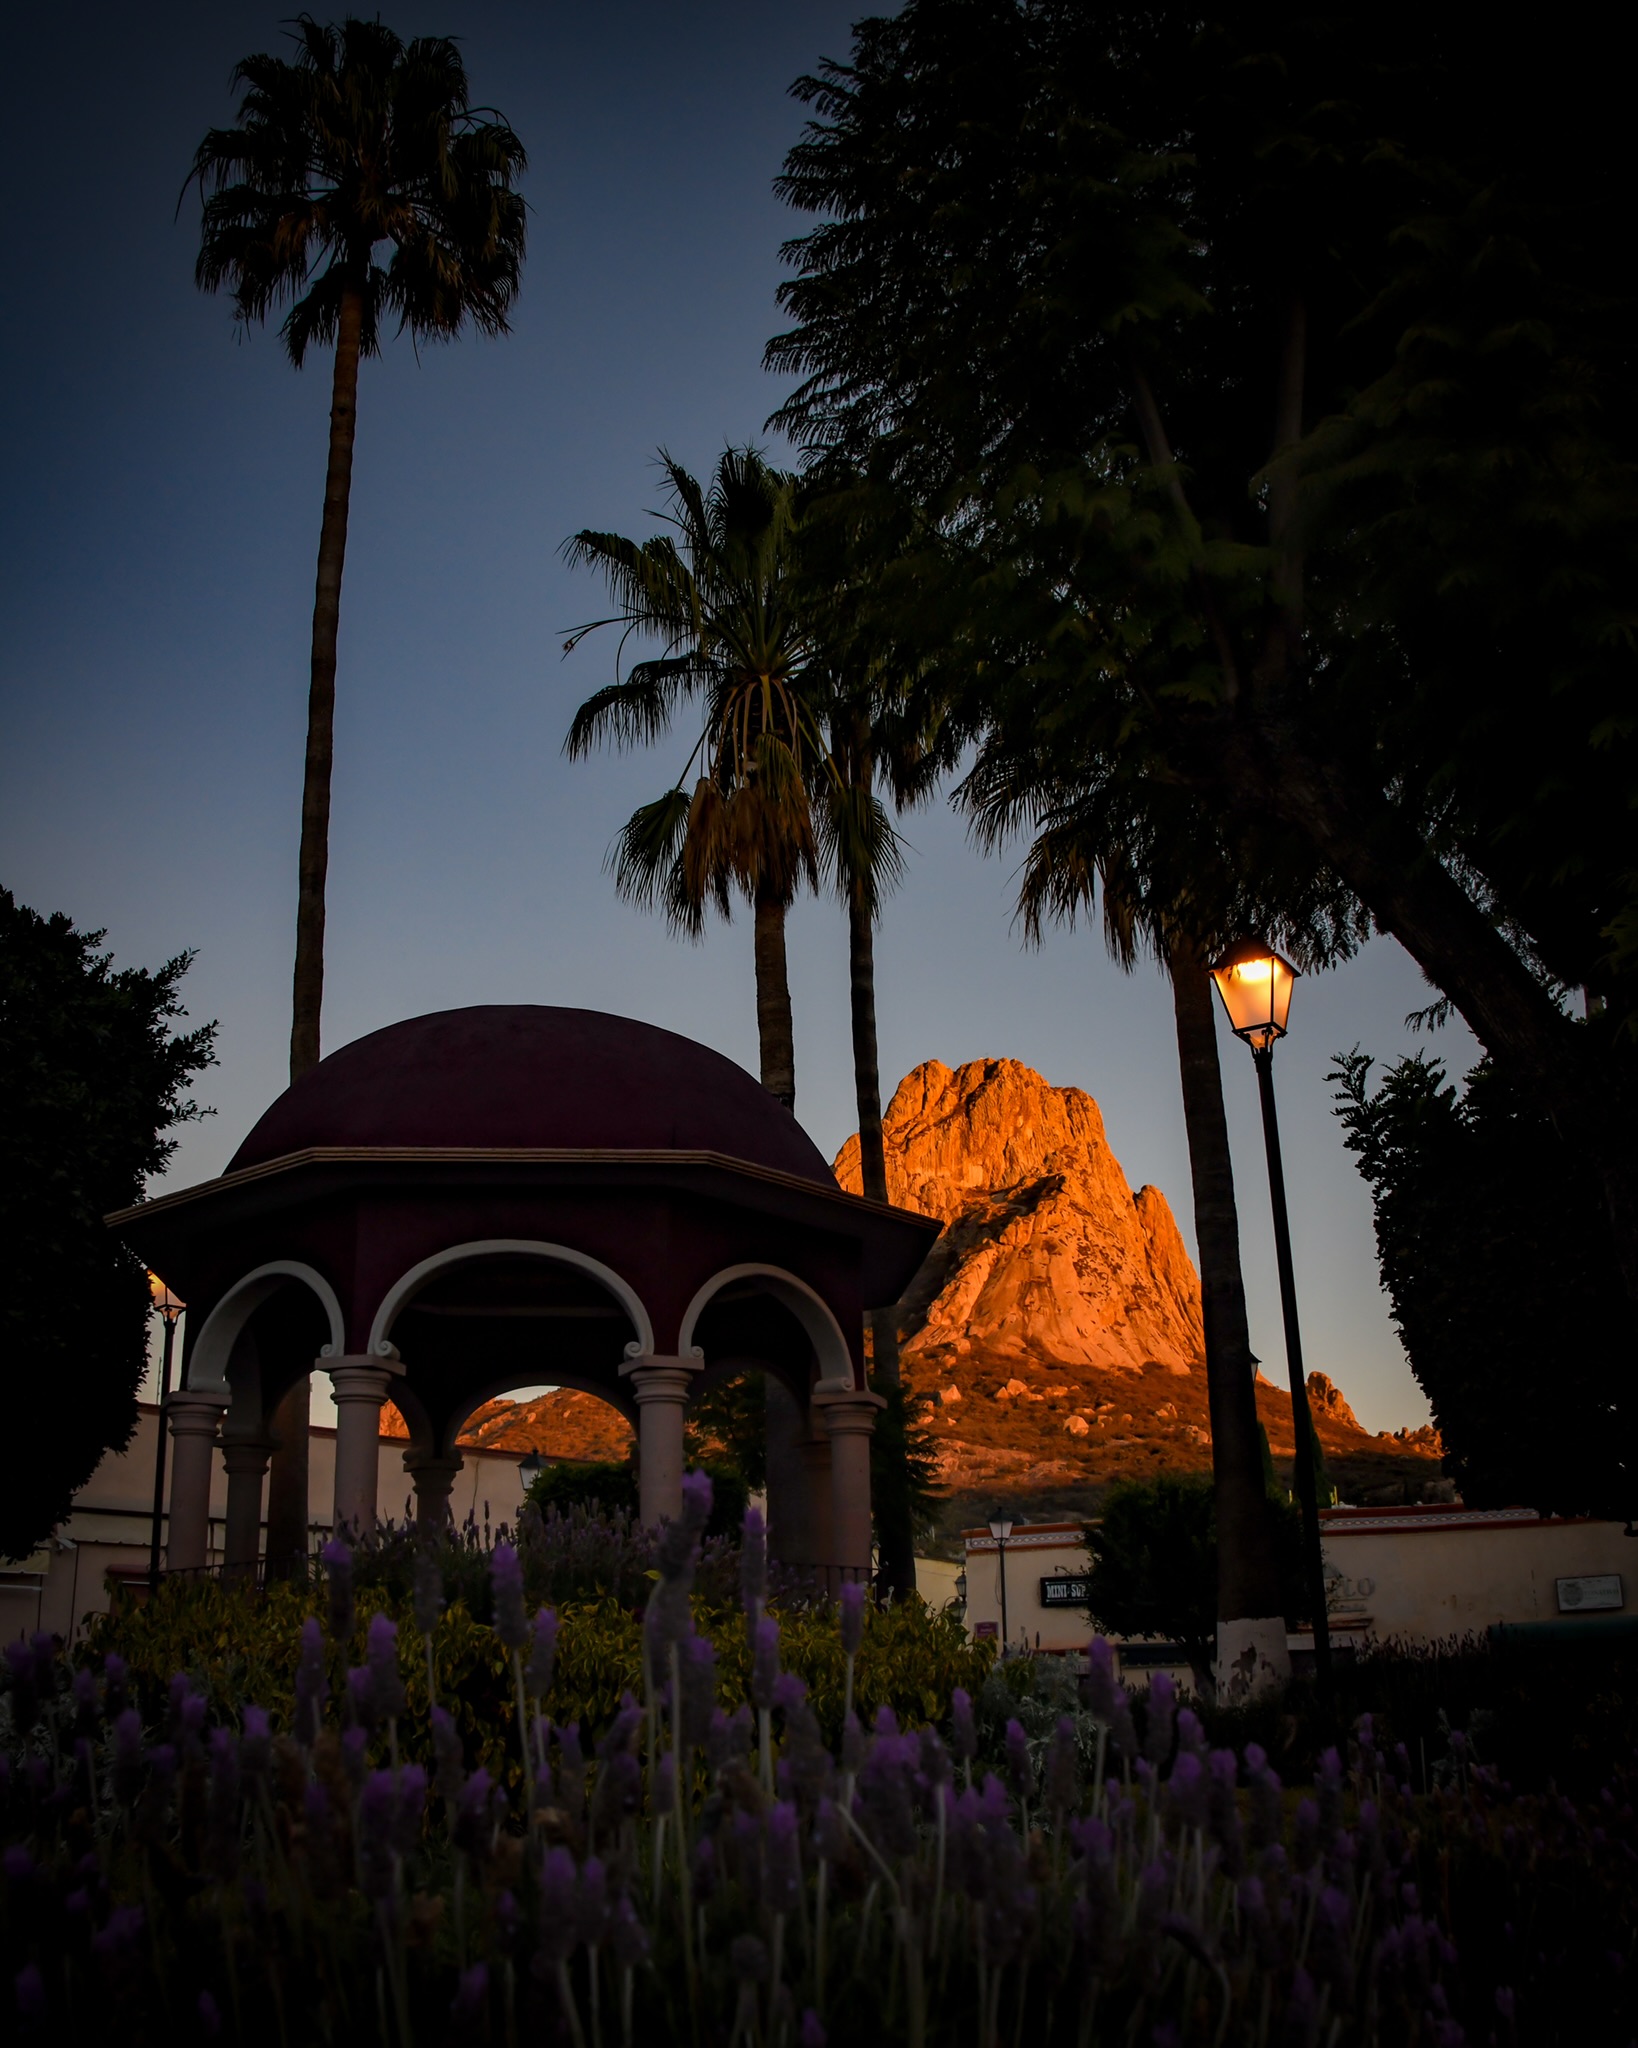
904,1455
1154,1565
241,1643
1515,1353
92,1078
363,141
605,1487
728,1423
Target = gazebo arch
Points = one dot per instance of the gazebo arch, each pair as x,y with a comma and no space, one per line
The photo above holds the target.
408,1285
209,1354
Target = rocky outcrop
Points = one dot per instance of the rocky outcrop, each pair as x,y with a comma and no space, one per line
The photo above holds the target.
1048,1258
1055,1326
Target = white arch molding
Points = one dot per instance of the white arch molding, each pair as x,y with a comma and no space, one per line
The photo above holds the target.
409,1284
213,1347
811,1310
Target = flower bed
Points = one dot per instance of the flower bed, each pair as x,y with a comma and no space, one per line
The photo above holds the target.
704,1865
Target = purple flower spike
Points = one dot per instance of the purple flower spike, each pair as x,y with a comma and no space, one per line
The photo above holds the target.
338,1562
506,1580
429,1592
312,1687
31,1995
387,1696
471,1994
1162,1713
210,2016
963,1732
557,1906
696,1492
811,2033
765,1662
537,1673
853,1606
1020,1771
628,1938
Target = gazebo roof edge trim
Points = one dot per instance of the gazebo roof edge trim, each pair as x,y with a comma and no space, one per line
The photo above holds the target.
474,1155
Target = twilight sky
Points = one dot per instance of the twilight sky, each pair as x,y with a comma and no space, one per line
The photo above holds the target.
157,544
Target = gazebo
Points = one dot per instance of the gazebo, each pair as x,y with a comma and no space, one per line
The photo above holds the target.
501,1196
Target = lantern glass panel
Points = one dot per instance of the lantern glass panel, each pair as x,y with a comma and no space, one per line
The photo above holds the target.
1255,984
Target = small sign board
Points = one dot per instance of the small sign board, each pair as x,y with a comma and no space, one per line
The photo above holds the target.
986,1628
1600,1590
1064,1589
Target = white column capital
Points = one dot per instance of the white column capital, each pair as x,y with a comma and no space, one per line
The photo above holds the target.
195,1411
362,1378
848,1414
246,1453
655,1378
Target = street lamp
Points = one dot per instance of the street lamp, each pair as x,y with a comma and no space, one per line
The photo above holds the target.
1001,1529
1255,984
161,1302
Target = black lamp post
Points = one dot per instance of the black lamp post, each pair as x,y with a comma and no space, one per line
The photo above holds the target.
1001,1529
1255,984
170,1306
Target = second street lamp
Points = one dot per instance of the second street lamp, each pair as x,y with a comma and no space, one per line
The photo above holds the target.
1001,1529
1255,984
164,1303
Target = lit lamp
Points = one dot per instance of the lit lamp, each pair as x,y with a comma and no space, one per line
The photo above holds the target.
1255,984
531,1465
161,1302
1001,1529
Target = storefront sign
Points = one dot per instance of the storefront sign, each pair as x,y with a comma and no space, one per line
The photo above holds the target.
1599,1590
1063,1590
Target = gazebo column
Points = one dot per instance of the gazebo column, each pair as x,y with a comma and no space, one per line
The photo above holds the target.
194,1415
661,1387
850,1419
362,1387
246,1460
434,1480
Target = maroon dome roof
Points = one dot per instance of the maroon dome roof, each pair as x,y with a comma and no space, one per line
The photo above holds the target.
503,1075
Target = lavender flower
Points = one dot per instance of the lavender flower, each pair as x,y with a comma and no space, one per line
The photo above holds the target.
30,1985
127,1767
537,1672
471,1995
312,1686
449,1764
476,1815
1188,1791
699,1689
628,1938
748,1959
557,1904
571,1771
210,2016
963,1729
1020,1770
811,2033
428,1597
86,1709
222,1806
337,1555
1063,1772
114,1675
506,1580
592,1903
387,1695
1108,1700
781,1859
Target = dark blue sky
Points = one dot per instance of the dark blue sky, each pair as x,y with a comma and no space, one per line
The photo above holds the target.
156,566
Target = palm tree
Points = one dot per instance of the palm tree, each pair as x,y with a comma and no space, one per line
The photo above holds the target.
721,597
1172,888
362,141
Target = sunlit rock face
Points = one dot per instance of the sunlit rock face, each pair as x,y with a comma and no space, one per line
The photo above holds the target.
1055,1328
1048,1257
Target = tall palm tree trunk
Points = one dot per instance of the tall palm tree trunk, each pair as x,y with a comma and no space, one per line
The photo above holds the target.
1252,1655
314,859
287,1489
895,1532
775,1034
